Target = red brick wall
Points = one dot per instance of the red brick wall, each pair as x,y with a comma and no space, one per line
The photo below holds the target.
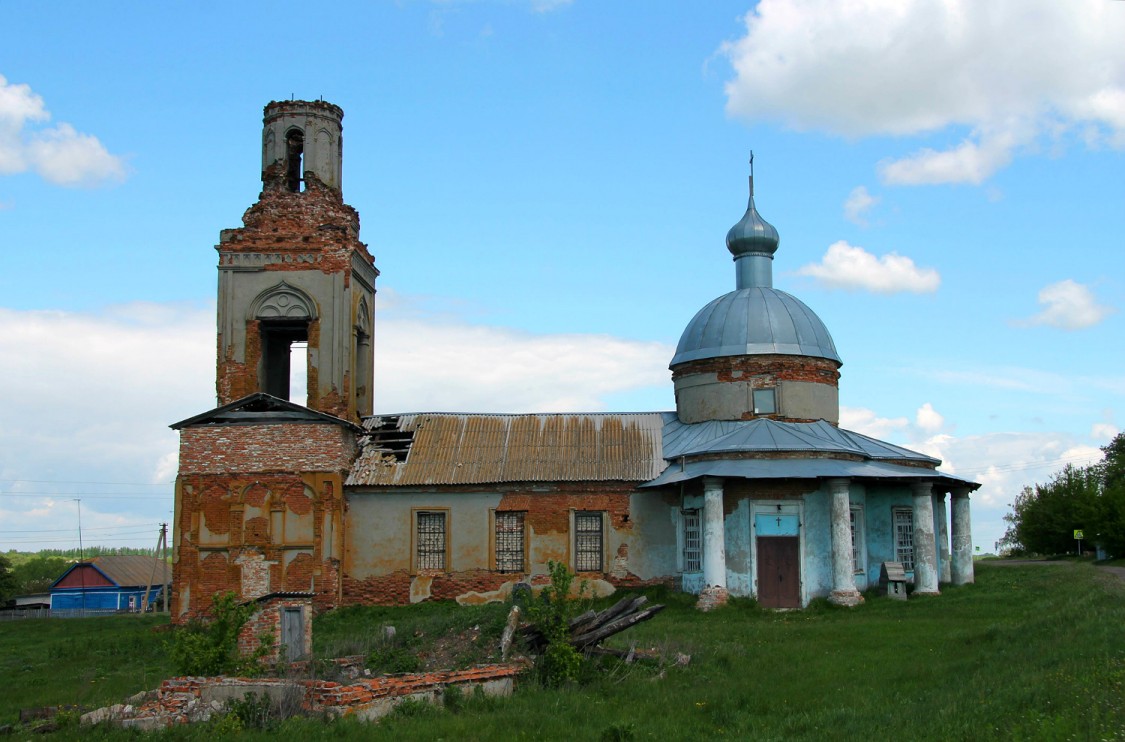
288,447
264,629
252,502
775,368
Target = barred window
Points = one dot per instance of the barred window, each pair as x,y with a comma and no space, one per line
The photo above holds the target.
588,542
857,538
509,542
904,537
693,543
431,540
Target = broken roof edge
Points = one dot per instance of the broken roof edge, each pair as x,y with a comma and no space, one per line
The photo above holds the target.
301,414
383,415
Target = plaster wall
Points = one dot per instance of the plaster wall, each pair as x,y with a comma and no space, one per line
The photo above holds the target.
380,564
706,397
879,522
816,557
655,518
342,300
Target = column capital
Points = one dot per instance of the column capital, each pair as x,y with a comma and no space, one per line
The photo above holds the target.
922,488
960,491
837,484
712,484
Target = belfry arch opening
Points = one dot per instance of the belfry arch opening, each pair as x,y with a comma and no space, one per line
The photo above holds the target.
285,346
294,156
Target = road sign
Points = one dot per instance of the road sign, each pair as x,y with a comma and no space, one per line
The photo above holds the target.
1078,534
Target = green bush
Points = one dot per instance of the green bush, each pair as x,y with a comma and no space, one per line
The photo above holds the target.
211,647
551,612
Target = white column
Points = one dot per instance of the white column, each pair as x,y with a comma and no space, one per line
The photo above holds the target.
714,545
962,538
941,529
843,571
925,545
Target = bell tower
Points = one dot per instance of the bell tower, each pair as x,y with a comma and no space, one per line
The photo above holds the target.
296,286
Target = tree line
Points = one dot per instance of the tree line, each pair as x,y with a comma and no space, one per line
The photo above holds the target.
23,573
1090,499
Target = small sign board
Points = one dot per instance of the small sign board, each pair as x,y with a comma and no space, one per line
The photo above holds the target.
1078,534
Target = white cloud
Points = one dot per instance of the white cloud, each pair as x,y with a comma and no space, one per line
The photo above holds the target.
1068,305
867,422
848,267
969,162
858,203
1008,71
66,157
88,397
929,419
1002,463
59,154
445,365
1103,431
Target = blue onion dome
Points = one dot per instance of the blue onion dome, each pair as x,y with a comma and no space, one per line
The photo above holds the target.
758,320
752,234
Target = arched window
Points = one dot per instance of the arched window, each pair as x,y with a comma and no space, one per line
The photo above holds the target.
294,151
283,313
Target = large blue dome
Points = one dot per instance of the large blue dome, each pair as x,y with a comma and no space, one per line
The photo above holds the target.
755,321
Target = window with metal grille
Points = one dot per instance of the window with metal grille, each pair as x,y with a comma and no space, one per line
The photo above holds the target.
588,542
857,538
693,542
431,540
904,538
509,542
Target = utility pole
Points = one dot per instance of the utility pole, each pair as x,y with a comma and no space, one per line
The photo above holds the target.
81,556
164,568
161,546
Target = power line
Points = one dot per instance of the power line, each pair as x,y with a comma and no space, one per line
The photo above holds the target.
1030,465
70,481
94,528
88,495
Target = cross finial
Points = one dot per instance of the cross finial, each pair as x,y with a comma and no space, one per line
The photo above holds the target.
751,173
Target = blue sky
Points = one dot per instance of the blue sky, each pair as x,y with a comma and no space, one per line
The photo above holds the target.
546,187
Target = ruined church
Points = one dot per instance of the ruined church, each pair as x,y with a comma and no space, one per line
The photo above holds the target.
749,487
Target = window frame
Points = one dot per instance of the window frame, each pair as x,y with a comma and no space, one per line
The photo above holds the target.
416,516
590,516
899,546
773,399
859,546
688,561
497,517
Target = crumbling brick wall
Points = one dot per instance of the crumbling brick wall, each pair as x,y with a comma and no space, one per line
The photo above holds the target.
390,579
259,509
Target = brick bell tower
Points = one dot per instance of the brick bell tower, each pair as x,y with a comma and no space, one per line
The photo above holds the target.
296,273
259,493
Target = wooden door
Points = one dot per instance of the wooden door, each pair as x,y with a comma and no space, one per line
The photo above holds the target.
779,572
293,633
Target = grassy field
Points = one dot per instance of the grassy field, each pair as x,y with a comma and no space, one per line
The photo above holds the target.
1027,653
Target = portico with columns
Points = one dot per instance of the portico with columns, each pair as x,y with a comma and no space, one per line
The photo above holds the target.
791,506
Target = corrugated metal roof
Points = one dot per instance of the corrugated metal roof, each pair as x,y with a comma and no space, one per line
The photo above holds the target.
450,448
127,570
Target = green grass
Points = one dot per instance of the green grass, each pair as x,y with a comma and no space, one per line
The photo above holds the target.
80,661
1027,653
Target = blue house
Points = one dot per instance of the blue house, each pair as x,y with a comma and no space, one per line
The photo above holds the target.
110,583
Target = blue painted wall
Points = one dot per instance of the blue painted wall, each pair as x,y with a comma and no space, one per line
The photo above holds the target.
99,599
